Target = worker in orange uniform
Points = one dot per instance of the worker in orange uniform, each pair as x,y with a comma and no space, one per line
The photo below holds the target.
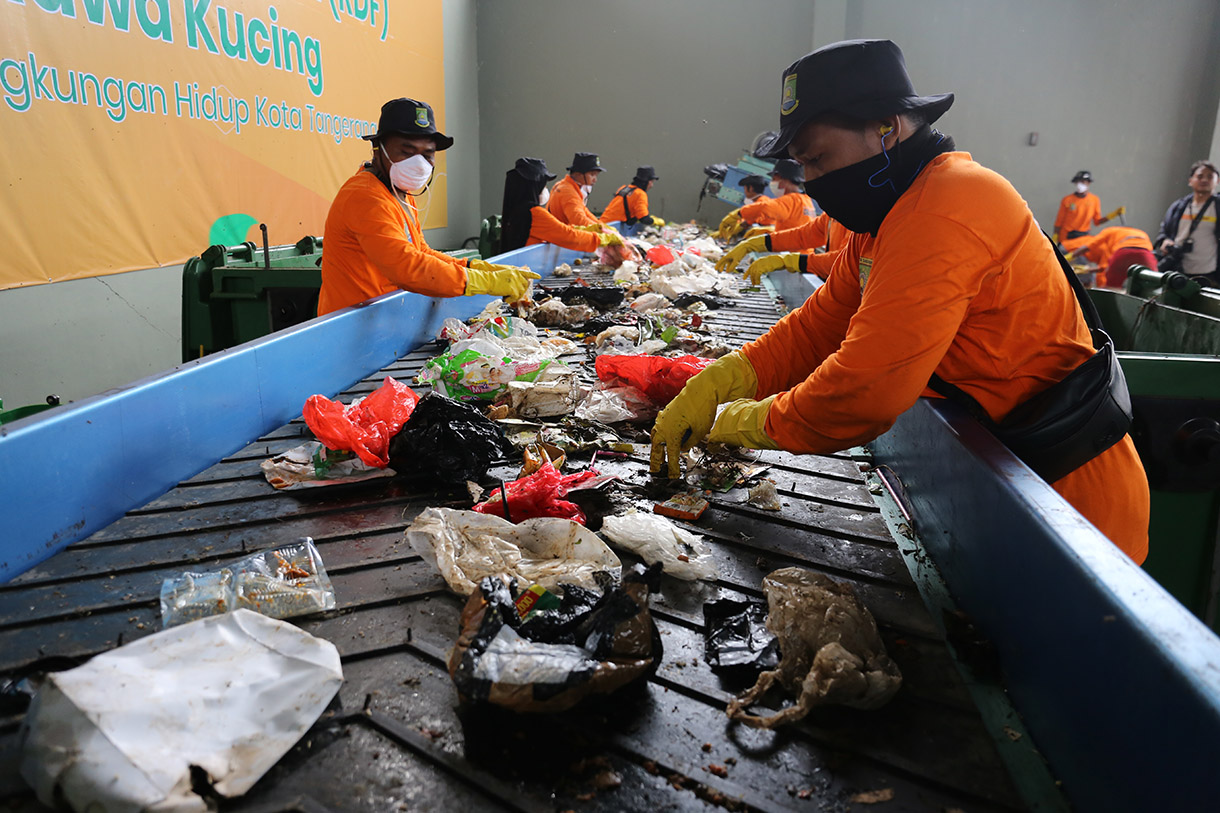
525,221
569,195
790,209
1114,250
630,203
752,189
373,243
827,234
1079,212
946,273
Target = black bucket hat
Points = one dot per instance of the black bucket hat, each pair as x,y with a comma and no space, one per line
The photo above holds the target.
789,170
410,118
1082,175
586,162
756,181
646,174
863,79
533,169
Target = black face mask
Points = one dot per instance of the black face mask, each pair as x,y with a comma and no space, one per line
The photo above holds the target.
860,195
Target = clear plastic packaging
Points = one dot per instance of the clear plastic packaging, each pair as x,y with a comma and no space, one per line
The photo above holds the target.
654,539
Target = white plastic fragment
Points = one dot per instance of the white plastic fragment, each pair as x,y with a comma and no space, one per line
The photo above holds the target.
654,538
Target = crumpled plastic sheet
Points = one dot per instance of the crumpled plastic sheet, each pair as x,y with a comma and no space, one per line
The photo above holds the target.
616,405
312,465
230,694
466,546
628,272
737,643
706,247
447,441
495,326
555,313
538,495
543,399
831,652
679,278
479,367
366,425
649,302
655,539
593,644
660,378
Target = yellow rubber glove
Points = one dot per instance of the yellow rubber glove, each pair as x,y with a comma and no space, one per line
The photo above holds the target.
772,262
610,238
507,281
730,225
757,230
594,227
744,423
1119,212
737,253
483,265
690,415
656,221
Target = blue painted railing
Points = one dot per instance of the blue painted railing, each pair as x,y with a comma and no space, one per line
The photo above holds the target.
75,469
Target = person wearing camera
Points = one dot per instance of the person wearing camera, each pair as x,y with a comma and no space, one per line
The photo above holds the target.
1189,241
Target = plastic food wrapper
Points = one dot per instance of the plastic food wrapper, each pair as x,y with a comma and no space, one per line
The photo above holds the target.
617,404
765,496
230,694
655,539
497,326
830,650
660,378
685,505
737,643
538,495
447,441
311,465
591,644
543,399
281,583
479,369
366,426
466,546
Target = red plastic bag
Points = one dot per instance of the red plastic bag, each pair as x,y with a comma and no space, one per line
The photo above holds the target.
364,428
660,378
538,495
661,255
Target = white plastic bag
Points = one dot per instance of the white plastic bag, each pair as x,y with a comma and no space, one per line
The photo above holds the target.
654,538
617,404
231,694
465,546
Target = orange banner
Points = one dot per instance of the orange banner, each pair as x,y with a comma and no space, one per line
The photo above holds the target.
138,132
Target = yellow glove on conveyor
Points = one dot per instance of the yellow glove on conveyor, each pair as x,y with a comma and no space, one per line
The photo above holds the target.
738,252
610,238
730,225
744,423
689,417
772,262
507,281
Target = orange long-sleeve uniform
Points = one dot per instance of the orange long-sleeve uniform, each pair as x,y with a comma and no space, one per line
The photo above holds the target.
568,204
1076,214
821,232
786,212
546,228
1099,248
637,203
373,244
960,282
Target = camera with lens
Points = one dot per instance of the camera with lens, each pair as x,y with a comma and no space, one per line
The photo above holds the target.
1172,258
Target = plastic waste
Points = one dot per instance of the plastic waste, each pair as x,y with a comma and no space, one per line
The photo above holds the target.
737,643
537,495
831,652
479,369
614,256
494,326
125,731
554,313
312,465
447,441
281,583
628,272
661,255
617,404
466,546
660,378
366,425
592,644
543,399
649,302
655,539
713,302
601,298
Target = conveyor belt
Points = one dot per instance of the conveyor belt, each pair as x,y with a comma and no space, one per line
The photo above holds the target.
395,739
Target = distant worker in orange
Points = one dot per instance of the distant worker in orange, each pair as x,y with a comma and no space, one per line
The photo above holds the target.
790,209
373,242
525,221
1114,250
828,235
569,196
946,274
752,189
1079,212
630,203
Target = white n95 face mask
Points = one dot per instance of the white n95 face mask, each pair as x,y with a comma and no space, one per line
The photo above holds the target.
411,174
585,189
775,190
1082,188
544,196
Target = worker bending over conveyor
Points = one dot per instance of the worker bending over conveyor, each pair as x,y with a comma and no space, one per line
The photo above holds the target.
525,221
1114,250
630,203
373,243
791,209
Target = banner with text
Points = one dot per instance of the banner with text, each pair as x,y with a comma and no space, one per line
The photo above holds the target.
139,132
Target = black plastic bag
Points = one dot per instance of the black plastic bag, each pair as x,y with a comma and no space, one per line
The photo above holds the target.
737,643
447,440
600,298
710,300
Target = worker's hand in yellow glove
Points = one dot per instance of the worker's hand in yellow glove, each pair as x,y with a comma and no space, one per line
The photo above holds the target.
593,227
610,238
737,253
483,265
656,221
690,415
730,225
744,423
1119,212
507,281
772,262
755,231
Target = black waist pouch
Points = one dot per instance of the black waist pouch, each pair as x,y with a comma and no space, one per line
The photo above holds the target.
1070,422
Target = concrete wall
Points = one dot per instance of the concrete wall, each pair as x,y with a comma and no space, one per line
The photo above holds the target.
82,337
1120,87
